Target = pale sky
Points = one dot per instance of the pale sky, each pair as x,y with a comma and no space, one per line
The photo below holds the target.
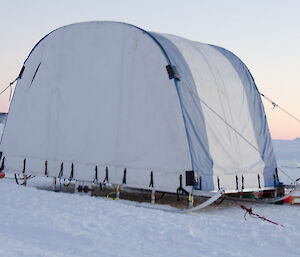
265,34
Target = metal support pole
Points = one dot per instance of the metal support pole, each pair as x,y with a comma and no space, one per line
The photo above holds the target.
191,200
25,180
153,196
118,193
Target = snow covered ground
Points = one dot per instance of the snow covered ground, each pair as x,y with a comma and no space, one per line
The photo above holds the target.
43,223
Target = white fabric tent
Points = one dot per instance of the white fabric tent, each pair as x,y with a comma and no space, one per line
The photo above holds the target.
99,94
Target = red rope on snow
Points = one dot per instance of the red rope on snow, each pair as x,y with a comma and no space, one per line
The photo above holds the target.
252,214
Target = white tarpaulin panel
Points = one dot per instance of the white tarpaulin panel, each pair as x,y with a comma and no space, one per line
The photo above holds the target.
222,94
97,94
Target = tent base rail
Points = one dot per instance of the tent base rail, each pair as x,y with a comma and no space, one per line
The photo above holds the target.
274,200
208,202
296,187
168,208
169,199
163,199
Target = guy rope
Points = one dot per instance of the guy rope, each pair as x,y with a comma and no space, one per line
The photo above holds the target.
279,107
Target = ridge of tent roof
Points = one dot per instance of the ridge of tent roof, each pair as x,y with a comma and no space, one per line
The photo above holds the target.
124,23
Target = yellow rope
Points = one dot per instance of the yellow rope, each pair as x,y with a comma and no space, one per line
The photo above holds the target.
116,194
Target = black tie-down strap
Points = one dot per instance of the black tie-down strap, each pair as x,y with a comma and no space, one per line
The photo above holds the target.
71,176
180,189
46,168
24,166
21,72
72,172
96,175
17,177
258,178
151,180
18,180
2,164
106,175
24,179
106,179
172,72
61,172
242,182
124,177
95,181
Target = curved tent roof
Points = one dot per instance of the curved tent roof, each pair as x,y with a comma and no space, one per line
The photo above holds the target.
109,94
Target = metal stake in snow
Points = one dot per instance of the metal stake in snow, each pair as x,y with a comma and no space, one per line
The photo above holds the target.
191,200
25,180
153,196
118,193
54,184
